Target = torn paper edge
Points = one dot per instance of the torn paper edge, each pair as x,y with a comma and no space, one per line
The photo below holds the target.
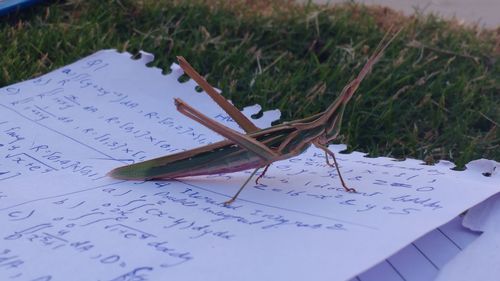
481,167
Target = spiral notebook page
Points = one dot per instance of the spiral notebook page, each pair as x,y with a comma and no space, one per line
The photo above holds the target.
424,258
64,219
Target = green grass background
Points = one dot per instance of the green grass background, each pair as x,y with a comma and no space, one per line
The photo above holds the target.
434,95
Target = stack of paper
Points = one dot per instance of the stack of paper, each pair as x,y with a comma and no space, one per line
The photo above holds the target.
64,219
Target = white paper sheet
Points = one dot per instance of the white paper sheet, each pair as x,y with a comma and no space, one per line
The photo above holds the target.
63,219
423,259
480,260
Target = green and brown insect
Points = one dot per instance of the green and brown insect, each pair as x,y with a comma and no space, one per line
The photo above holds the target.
256,149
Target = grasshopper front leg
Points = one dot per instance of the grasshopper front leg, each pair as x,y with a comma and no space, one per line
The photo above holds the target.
329,152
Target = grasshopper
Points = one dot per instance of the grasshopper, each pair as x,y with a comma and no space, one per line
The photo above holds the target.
256,149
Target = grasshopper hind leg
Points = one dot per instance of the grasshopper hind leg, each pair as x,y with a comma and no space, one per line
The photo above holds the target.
228,202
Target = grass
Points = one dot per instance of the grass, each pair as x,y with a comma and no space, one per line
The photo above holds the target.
434,95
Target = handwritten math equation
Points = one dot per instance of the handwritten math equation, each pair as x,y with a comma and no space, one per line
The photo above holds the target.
74,124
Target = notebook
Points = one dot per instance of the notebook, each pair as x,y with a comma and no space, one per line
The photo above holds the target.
63,218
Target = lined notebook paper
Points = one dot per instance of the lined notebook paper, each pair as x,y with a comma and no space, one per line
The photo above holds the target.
64,219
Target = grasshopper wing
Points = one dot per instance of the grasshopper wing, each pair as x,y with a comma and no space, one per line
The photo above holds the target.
220,157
